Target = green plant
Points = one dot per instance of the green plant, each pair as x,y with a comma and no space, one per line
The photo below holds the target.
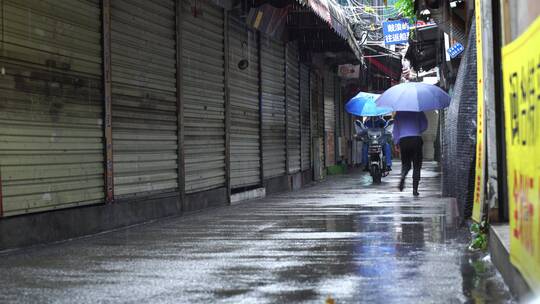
406,8
479,237
480,242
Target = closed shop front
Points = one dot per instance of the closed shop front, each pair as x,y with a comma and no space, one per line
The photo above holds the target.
273,107
305,119
293,108
203,95
143,61
51,154
244,98
329,120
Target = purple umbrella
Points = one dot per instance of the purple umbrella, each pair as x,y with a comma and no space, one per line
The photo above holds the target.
414,97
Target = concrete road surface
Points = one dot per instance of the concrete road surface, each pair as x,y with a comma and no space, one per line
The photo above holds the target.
343,239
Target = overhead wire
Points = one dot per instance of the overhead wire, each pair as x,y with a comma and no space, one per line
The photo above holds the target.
365,17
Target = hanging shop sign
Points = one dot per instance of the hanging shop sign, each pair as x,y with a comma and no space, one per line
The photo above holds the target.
456,49
396,32
349,71
521,62
268,19
479,178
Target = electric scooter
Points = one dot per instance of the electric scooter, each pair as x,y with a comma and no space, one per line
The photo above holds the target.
375,138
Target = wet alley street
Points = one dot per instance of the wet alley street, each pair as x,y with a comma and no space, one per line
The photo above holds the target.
343,239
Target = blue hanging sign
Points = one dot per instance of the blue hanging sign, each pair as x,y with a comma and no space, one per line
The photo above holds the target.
396,32
455,50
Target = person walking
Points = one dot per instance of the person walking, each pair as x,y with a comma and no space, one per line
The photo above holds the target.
408,129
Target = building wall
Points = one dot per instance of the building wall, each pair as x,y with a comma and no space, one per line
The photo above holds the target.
184,124
517,16
430,135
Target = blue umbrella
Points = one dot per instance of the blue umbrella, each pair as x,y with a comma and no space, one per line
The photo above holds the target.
414,97
363,104
371,109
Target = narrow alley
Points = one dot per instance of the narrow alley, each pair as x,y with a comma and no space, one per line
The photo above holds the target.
342,239
256,151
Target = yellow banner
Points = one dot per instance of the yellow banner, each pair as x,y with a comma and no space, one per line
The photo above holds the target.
478,206
521,77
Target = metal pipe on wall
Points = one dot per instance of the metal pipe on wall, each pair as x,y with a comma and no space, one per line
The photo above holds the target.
1,196
489,104
301,109
2,53
180,109
498,40
286,54
107,92
259,75
227,107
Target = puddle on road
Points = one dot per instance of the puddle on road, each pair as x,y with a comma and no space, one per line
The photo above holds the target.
415,257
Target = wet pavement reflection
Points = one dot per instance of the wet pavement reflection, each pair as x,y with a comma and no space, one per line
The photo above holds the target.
343,239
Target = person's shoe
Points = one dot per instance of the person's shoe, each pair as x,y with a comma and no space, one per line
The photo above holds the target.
415,188
401,184
389,168
415,192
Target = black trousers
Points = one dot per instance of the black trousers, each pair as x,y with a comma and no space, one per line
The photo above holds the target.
411,152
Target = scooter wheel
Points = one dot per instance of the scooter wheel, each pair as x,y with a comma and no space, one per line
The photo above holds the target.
376,174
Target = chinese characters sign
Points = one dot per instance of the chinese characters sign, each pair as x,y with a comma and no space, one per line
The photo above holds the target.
396,32
479,178
521,70
455,50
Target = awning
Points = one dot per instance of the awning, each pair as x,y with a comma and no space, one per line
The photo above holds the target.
424,51
382,60
332,34
336,20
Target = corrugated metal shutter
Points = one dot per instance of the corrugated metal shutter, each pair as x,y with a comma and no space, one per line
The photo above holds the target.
329,119
144,111
203,63
244,96
293,107
305,105
51,99
273,94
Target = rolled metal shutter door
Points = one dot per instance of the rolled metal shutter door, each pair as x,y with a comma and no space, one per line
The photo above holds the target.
51,98
244,98
305,106
273,103
144,111
293,107
329,119
203,95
